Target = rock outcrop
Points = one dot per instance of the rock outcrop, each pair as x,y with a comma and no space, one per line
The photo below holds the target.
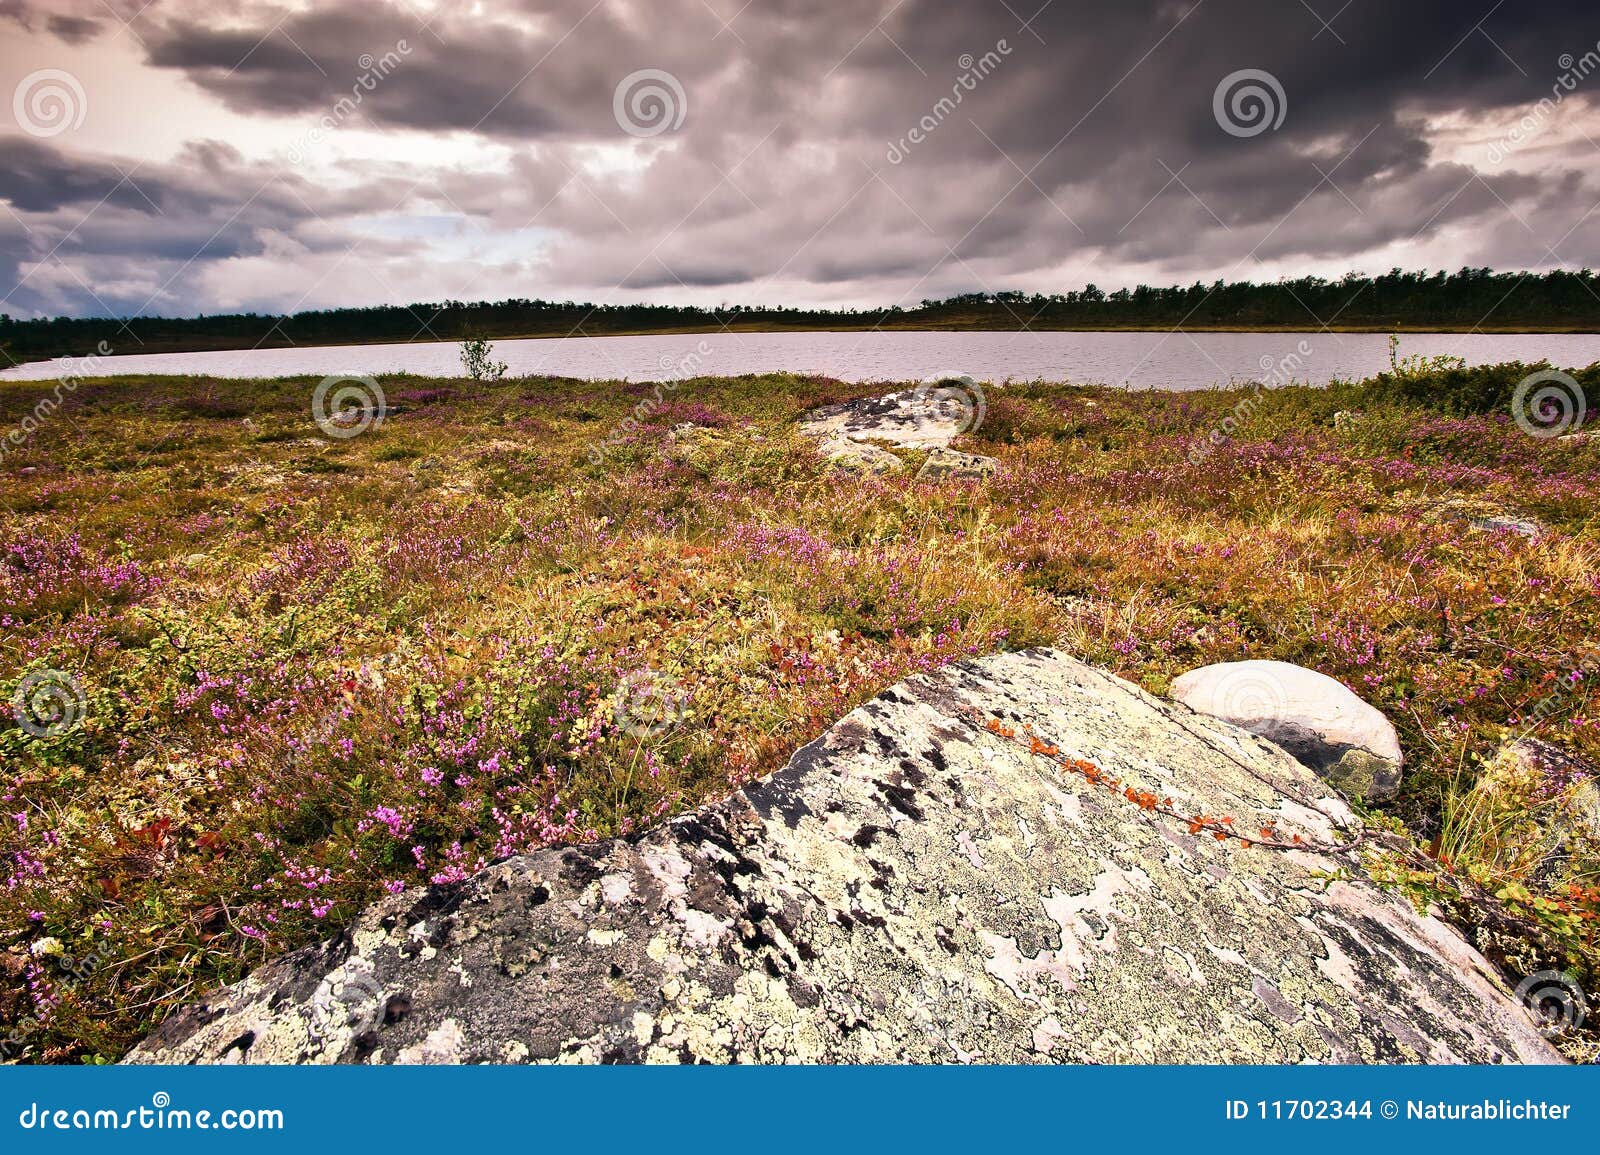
930,417
1317,719
1505,523
911,419
915,887
1543,800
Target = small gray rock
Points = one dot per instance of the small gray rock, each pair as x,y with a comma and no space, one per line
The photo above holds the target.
1557,793
689,431
947,463
859,456
1505,523
1488,517
1318,720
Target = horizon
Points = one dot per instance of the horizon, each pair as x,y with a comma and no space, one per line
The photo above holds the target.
168,160
1106,294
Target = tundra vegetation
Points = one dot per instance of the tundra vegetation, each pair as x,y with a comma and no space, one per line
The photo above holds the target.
277,672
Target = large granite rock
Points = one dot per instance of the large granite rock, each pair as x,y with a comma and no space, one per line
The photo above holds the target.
914,887
1320,721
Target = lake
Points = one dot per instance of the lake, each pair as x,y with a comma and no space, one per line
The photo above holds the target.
1138,360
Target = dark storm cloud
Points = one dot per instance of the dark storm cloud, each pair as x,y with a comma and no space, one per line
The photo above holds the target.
209,182
523,71
143,228
1141,69
1090,146
75,29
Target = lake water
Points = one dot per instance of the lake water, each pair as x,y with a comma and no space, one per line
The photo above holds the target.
1139,360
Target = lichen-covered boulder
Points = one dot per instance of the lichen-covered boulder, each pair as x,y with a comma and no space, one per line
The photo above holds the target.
916,886
927,417
1320,721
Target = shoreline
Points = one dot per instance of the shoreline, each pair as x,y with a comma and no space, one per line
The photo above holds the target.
688,330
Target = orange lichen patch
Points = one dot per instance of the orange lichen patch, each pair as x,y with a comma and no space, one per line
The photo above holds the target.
1220,828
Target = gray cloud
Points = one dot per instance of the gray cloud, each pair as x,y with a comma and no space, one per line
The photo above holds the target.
75,29
1089,151
137,237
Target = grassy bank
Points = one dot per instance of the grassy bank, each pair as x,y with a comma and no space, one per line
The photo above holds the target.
300,669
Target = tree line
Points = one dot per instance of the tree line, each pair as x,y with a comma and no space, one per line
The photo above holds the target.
1466,299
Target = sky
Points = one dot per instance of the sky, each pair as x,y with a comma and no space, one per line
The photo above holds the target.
183,157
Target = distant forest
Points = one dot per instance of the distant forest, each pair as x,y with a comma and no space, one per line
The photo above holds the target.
1397,301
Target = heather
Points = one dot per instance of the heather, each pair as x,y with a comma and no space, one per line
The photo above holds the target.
304,669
